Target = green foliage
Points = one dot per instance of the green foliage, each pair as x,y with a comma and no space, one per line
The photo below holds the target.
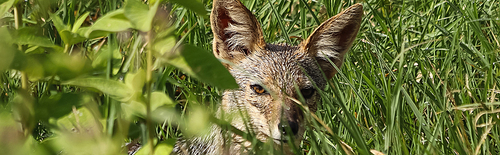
200,64
111,22
77,88
5,6
421,78
139,14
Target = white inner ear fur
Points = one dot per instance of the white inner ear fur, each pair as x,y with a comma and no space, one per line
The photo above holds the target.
242,36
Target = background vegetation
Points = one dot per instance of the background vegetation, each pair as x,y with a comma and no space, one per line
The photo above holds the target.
97,77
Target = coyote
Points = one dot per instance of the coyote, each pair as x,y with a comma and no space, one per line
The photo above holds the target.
269,75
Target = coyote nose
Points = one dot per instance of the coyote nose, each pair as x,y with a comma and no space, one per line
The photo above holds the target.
294,126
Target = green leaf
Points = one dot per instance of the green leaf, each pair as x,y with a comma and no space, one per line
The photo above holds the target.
83,129
12,58
40,65
94,34
25,36
84,142
66,34
115,89
163,113
13,140
197,123
165,147
34,68
63,65
6,37
59,105
137,107
43,65
103,55
139,14
164,45
71,38
81,119
202,65
8,53
58,23
111,22
192,5
160,99
79,22
133,108
136,80
5,6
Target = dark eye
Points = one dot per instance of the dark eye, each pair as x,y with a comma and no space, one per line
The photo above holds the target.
258,89
307,92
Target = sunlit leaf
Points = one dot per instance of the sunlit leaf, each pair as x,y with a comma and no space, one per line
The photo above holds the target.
79,132
139,14
164,45
136,80
111,22
115,89
202,65
164,147
79,22
197,123
80,119
163,113
160,99
138,107
133,108
5,6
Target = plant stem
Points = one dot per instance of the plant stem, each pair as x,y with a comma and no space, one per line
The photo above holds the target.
109,73
18,22
149,81
112,110
66,48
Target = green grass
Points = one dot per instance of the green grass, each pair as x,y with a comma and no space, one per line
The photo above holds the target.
421,78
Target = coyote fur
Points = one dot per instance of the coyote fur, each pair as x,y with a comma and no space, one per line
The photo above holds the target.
269,75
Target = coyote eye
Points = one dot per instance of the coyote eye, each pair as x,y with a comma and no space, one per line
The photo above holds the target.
307,92
258,89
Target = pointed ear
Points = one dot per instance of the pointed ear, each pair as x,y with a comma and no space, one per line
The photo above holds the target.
236,31
333,38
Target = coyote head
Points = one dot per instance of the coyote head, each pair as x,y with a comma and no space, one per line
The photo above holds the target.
273,78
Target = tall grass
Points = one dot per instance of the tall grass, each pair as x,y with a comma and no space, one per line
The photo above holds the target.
421,78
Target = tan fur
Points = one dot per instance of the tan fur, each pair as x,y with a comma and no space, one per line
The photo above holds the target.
279,69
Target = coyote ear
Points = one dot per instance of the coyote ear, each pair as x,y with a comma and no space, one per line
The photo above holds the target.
236,31
333,38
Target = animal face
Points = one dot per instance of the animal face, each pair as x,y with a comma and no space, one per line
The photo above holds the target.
273,77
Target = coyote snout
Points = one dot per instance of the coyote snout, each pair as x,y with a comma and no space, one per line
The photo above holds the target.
273,79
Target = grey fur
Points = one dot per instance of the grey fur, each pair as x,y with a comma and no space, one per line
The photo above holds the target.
278,68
